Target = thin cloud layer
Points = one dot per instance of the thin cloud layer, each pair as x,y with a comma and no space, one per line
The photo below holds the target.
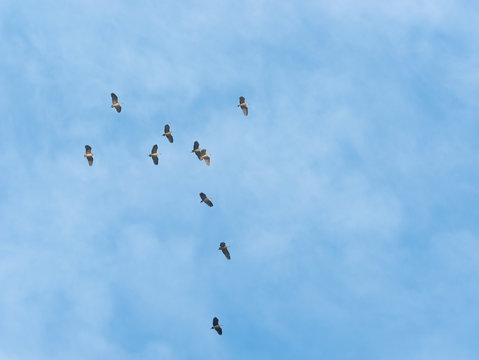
347,194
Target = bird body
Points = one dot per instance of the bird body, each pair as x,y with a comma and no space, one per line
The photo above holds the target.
217,326
224,248
243,105
89,155
154,154
196,149
168,133
205,199
115,103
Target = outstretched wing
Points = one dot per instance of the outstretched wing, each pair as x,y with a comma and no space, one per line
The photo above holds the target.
114,99
155,159
154,150
227,253
167,128
170,138
207,160
209,203
196,145
245,110
215,321
118,108
202,196
241,100
219,330
198,154
88,149
90,160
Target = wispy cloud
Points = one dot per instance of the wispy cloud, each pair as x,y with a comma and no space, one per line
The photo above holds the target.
347,195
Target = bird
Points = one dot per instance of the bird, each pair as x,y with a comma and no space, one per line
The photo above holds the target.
204,156
205,199
196,149
154,154
168,133
242,105
115,103
89,155
217,326
224,248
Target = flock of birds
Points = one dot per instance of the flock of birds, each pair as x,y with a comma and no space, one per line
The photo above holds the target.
200,153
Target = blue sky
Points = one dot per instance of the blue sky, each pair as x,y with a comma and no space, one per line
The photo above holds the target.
348,195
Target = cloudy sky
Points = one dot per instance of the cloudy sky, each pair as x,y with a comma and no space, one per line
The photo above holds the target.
348,195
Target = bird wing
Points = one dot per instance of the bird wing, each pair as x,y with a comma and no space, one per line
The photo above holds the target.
222,244
90,160
202,196
196,145
154,149
198,154
87,149
245,110
155,159
114,98
167,128
207,160
215,321
227,253
241,100
170,138
219,330
118,108
209,203
202,152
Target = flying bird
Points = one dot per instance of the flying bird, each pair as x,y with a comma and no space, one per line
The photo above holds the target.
154,154
204,156
224,248
168,133
217,326
89,155
115,103
205,199
196,149
242,105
